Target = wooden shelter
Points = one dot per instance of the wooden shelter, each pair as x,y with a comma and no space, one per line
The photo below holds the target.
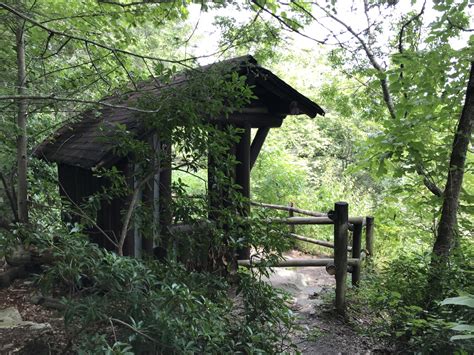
80,147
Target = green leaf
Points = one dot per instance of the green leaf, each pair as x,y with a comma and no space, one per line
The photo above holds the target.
463,328
462,337
467,301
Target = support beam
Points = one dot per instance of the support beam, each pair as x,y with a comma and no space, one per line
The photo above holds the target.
255,120
369,236
341,227
164,193
242,170
291,213
242,177
356,251
257,144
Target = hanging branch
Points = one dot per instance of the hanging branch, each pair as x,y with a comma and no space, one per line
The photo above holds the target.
99,73
373,61
125,69
65,99
285,24
136,3
406,24
89,41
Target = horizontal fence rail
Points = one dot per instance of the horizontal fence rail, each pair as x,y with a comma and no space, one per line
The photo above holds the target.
313,220
299,262
322,243
289,209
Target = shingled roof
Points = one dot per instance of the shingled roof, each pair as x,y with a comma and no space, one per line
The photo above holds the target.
84,143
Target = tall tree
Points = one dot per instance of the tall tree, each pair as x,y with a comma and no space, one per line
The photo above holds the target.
62,65
447,228
419,78
22,142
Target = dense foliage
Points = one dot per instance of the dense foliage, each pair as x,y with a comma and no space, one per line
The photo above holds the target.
393,91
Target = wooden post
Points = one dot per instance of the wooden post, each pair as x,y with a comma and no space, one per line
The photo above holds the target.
164,195
356,249
369,236
147,241
213,189
242,177
291,214
340,253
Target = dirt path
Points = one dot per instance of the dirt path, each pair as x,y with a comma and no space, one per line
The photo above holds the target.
323,332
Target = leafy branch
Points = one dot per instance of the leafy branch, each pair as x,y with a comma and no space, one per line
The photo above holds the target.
52,97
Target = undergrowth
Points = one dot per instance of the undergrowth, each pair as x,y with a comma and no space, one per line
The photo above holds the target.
394,296
123,305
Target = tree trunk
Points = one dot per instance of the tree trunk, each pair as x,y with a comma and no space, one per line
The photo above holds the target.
22,159
447,228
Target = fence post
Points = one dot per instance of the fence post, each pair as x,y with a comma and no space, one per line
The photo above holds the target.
341,217
369,235
291,214
356,248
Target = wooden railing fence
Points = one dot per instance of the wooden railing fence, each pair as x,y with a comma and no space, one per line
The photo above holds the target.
340,265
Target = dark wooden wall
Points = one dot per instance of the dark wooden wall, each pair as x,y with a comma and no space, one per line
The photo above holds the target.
76,185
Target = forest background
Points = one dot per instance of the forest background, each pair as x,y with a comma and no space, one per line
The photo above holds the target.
393,86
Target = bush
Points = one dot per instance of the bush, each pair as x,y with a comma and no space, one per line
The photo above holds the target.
120,304
396,295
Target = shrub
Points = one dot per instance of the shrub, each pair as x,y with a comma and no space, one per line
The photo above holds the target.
396,295
120,304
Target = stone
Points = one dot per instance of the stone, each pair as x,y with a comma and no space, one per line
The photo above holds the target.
10,273
18,256
10,318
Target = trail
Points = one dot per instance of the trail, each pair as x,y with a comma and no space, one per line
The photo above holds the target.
323,331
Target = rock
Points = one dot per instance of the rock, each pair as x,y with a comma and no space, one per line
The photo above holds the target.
39,326
10,318
18,257
48,302
7,348
37,347
36,298
9,273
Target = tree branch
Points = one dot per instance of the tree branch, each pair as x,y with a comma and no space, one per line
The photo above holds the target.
99,73
373,61
406,24
285,24
428,182
459,27
136,3
89,41
64,99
